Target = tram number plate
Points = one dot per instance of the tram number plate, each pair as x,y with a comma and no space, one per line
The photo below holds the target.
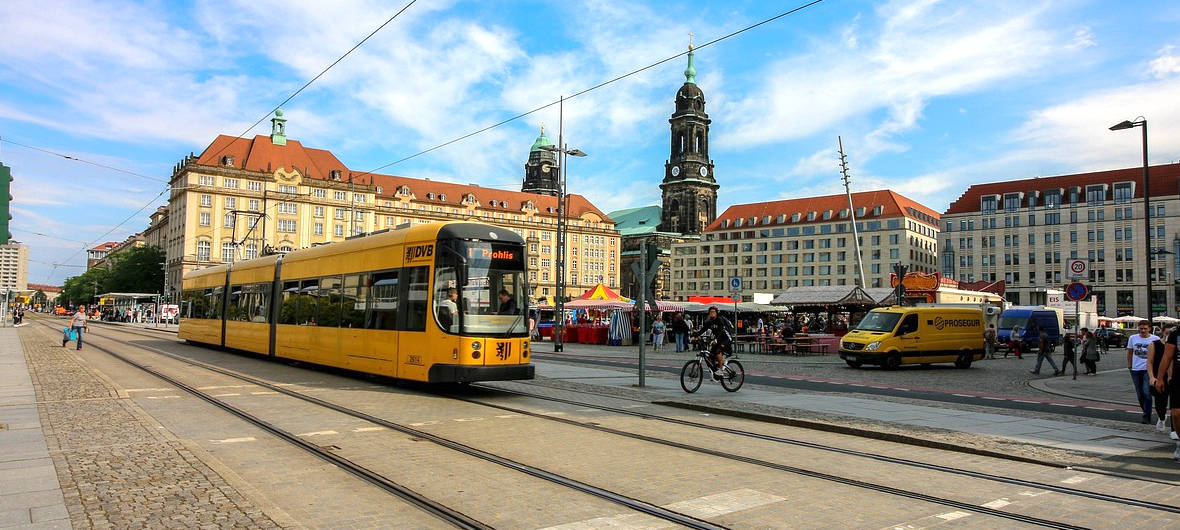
503,350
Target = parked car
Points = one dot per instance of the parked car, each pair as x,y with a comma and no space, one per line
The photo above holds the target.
1110,337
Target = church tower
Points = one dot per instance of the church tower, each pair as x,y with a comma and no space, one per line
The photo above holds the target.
689,188
541,171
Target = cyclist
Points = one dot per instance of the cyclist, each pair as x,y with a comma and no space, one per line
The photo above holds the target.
722,332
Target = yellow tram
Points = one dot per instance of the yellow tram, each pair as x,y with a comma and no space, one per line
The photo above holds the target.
437,302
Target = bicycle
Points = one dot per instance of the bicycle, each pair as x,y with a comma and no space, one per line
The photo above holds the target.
693,373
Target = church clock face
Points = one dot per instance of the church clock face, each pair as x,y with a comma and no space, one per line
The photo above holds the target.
675,171
545,168
704,171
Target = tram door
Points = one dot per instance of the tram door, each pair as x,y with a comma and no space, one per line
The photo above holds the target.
414,344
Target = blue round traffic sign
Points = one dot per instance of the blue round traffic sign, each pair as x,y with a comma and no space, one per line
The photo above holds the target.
1077,291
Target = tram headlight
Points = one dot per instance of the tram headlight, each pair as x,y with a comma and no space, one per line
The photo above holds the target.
873,346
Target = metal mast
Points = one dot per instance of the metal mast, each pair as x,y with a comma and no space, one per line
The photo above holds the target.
860,266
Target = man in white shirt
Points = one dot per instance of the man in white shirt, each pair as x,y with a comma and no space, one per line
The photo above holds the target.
1137,348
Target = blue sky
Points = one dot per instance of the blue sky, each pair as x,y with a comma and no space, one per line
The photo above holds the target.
929,96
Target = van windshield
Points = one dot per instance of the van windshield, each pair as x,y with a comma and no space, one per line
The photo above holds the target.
879,321
1010,322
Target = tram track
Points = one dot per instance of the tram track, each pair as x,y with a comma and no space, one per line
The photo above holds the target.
450,515
881,488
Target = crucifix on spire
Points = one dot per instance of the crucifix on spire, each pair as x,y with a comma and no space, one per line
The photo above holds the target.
690,40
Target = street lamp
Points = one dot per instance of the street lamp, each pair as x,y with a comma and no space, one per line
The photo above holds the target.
1128,124
559,307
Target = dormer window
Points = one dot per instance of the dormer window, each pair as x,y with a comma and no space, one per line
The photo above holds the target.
227,160
860,211
782,218
827,214
430,196
739,221
795,217
404,190
878,209
725,223
844,213
334,174
442,197
753,221
810,216
379,191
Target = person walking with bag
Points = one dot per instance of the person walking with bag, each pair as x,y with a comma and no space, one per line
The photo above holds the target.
78,325
1155,373
1090,355
657,333
989,341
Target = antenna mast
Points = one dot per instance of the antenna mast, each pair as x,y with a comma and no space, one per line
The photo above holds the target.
860,266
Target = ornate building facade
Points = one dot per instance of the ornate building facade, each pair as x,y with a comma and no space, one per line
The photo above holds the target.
244,197
689,187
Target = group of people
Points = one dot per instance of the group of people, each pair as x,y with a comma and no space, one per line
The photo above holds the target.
1152,361
1083,345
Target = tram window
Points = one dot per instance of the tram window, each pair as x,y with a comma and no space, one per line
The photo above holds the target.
352,301
254,302
234,306
417,292
327,302
305,311
446,310
214,297
288,311
194,301
383,298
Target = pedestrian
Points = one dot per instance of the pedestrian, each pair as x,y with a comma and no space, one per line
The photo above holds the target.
1137,347
1168,367
1159,396
989,341
1014,343
78,325
680,330
1069,346
1044,348
1090,355
657,333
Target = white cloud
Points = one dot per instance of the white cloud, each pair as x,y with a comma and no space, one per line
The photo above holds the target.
1167,64
1082,38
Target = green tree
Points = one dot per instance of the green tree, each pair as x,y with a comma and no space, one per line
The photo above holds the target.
139,270
81,289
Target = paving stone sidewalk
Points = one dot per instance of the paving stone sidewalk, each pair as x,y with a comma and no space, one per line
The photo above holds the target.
115,465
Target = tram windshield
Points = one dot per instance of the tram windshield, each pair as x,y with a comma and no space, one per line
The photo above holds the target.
492,299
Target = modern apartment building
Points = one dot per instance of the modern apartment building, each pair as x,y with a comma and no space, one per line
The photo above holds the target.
14,266
1025,232
243,197
776,245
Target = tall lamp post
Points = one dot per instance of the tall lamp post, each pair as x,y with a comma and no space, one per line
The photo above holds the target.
1128,124
564,151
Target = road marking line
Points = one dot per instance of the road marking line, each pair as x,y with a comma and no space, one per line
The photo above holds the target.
1099,408
263,393
1033,493
963,395
422,423
148,389
510,416
1075,480
588,410
162,397
1064,405
467,419
369,429
994,398
702,507
1026,401
553,413
317,433
996,504
222,386
226,395
951,516
901,389
234,440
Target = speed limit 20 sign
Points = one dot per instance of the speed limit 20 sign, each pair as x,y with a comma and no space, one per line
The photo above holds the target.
1077,268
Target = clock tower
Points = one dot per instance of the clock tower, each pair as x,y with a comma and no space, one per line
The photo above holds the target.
541,172
689,188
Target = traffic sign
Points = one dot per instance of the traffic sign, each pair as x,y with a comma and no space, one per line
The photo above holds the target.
1076,291
735,284
1077,268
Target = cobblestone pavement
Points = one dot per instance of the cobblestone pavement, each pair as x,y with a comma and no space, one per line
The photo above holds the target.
116,466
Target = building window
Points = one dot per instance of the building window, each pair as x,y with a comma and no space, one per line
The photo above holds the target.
287,226
229,183
338,230
358,197
318,211
318,229
254,185
319,193
253,205
251,251
231,203
340,195
1122,192
203,248
1095,195
227,252
206,219
229,220
206,200
205,180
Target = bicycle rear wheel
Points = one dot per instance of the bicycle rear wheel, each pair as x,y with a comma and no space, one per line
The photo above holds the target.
691,376
735,376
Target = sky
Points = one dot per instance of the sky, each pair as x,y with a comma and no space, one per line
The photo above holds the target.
928,96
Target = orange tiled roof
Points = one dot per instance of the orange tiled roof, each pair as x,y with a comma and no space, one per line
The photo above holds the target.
43,287
892,205
259,154
106,246
1164,181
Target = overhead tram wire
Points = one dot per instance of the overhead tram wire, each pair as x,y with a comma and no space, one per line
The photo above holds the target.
82,160
595,87
317,76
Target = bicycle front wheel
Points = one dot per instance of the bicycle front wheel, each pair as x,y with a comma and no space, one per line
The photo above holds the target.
735,376
691,376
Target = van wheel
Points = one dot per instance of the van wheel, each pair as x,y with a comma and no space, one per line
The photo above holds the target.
854,364
964,361
892,362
